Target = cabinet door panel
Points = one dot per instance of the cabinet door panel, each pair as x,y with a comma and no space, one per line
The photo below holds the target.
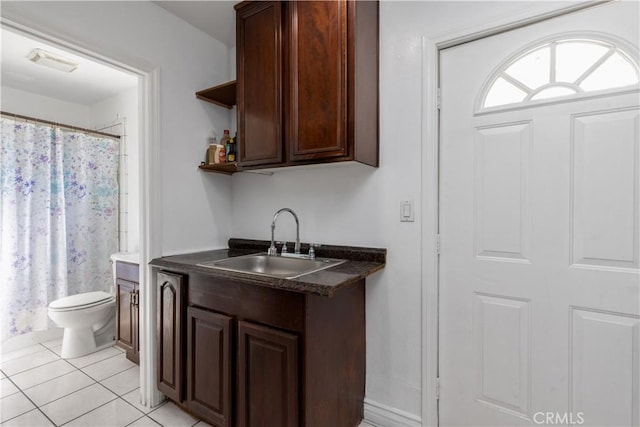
170,336
259,53
317,110
209,365
267,376
124,319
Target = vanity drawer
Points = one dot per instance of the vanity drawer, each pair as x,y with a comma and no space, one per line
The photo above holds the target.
127,271
274,307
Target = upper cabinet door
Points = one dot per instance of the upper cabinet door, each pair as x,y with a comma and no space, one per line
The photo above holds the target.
316,112
259,80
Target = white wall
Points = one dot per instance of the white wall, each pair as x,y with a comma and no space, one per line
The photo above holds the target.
358,205
107,112
42,107
195,205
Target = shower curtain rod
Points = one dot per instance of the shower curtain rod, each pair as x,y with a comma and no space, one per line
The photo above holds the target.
75,128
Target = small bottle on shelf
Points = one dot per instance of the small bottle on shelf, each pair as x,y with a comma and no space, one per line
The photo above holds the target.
231,149
225,139
211,149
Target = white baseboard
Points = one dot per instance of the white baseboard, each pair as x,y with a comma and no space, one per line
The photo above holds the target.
32,338
382,415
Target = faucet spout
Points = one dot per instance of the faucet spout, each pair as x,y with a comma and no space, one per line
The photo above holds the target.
272,248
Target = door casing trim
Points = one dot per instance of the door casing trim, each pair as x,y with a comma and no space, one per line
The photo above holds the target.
150,222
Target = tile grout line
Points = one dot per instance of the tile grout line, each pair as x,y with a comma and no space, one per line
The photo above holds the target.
62,397
106,378
40,366
32,402
122,372
94,363
58,377
29,355
89,411
24,355
116,395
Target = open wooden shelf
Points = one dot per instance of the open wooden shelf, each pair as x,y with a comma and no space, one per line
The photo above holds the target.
224,168
223,95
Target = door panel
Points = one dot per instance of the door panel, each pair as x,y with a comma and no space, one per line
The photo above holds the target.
539,270
124,322
209,365
605,381
501,172
267,376
502,332
317,88
605,173
259,35
170,334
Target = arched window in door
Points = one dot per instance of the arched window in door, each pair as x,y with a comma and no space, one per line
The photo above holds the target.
568,66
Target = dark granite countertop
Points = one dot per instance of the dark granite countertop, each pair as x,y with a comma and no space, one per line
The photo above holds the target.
361,263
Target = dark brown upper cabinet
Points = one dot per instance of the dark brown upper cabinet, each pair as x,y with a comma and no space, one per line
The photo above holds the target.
307,82
259,98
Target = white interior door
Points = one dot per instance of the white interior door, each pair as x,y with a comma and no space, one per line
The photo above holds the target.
539,285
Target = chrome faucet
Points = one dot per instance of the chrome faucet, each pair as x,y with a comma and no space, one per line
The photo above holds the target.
272,249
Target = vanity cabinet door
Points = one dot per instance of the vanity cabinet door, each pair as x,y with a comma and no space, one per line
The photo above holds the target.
209,366
170,335
126,319
267,376
259,82
127,309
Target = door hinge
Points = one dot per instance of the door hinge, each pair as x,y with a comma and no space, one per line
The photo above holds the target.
437,388
438,244
439,98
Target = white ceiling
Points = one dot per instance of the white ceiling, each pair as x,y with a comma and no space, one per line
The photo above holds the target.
216,18
91,82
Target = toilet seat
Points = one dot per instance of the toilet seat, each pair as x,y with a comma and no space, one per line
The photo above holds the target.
81,301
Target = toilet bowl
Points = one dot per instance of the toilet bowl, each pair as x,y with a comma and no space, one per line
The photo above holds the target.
88,320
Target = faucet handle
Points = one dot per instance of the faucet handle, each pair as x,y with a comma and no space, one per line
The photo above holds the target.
312,252
272,251
284,247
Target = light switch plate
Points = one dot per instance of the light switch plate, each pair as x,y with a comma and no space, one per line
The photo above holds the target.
407,213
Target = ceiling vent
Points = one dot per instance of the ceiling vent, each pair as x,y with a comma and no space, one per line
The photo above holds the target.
52,60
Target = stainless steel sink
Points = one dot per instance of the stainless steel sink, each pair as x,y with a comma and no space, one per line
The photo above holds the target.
273,266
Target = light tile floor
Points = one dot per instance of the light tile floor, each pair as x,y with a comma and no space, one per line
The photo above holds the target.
38,389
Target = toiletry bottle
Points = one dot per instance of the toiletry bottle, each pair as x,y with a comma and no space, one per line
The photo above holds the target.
211,151
232,150
220,152
225,140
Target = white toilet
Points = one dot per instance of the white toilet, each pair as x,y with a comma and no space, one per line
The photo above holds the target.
88,320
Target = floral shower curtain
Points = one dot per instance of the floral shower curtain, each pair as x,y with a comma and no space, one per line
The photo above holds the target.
58,219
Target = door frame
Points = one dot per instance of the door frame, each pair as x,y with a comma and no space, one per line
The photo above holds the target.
430,192
149,175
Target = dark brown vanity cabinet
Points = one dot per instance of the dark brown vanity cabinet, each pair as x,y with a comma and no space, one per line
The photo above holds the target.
257,356
127,309
307,82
